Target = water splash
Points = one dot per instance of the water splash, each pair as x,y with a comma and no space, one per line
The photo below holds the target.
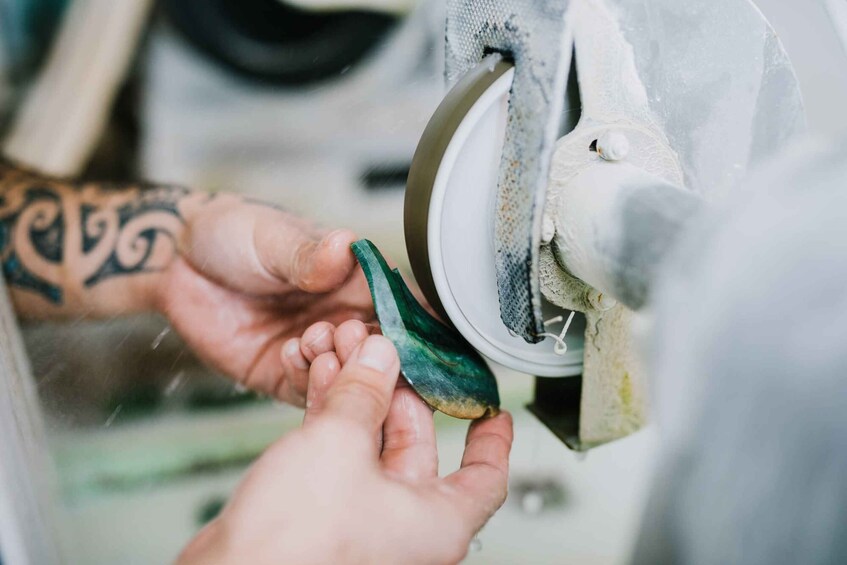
160,338
175,383
112,416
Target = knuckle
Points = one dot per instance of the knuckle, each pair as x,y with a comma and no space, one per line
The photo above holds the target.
364,391
399,438
299,261
488,449
498,473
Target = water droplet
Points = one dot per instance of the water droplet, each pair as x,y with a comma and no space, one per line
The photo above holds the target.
532,502
160,338
581,455
475,545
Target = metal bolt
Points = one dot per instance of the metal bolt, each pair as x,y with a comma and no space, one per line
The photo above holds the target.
613,146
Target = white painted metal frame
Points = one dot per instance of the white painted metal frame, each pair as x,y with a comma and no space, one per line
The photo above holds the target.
28,531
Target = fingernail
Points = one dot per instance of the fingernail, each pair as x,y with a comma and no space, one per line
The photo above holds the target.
292,353
334,239
377,353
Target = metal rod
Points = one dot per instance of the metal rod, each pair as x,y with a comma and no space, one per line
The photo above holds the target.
615,224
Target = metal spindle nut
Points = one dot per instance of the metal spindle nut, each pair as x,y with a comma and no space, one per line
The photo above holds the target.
613,146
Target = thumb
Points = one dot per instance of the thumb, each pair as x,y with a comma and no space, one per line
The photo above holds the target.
261,250
482,481
307,262
361,394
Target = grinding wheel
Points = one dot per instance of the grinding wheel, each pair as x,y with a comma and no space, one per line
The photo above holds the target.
449,222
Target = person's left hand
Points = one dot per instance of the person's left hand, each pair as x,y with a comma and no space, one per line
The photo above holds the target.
358,483
247,278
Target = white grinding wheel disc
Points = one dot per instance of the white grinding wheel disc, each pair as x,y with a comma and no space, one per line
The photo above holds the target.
450,225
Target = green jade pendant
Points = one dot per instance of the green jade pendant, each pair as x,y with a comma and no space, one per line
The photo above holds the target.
440,365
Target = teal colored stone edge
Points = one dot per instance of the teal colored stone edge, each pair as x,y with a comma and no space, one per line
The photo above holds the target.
439,364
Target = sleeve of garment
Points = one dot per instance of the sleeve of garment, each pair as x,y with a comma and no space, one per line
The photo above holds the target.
749,360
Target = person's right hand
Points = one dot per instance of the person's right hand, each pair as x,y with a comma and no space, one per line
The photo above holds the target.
359,482
249,277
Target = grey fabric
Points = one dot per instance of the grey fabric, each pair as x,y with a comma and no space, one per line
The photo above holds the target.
533,34
749,356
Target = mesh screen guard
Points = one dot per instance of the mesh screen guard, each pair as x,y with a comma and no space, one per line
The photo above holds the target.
533,33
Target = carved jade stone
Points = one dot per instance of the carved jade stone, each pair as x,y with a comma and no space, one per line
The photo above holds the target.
440,365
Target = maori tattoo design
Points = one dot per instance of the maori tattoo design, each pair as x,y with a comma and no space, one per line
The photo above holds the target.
47,224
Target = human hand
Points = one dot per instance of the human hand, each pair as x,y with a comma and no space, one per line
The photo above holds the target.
247,277
358,482
236,278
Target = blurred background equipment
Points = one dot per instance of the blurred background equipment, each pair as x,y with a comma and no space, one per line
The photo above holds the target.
334,147
277,42
66,110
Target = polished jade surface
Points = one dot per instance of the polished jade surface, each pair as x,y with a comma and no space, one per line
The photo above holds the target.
438,362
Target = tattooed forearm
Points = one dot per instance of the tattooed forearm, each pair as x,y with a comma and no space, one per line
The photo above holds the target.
61,238
142,223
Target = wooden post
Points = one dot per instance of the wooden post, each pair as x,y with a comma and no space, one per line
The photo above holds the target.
64,114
